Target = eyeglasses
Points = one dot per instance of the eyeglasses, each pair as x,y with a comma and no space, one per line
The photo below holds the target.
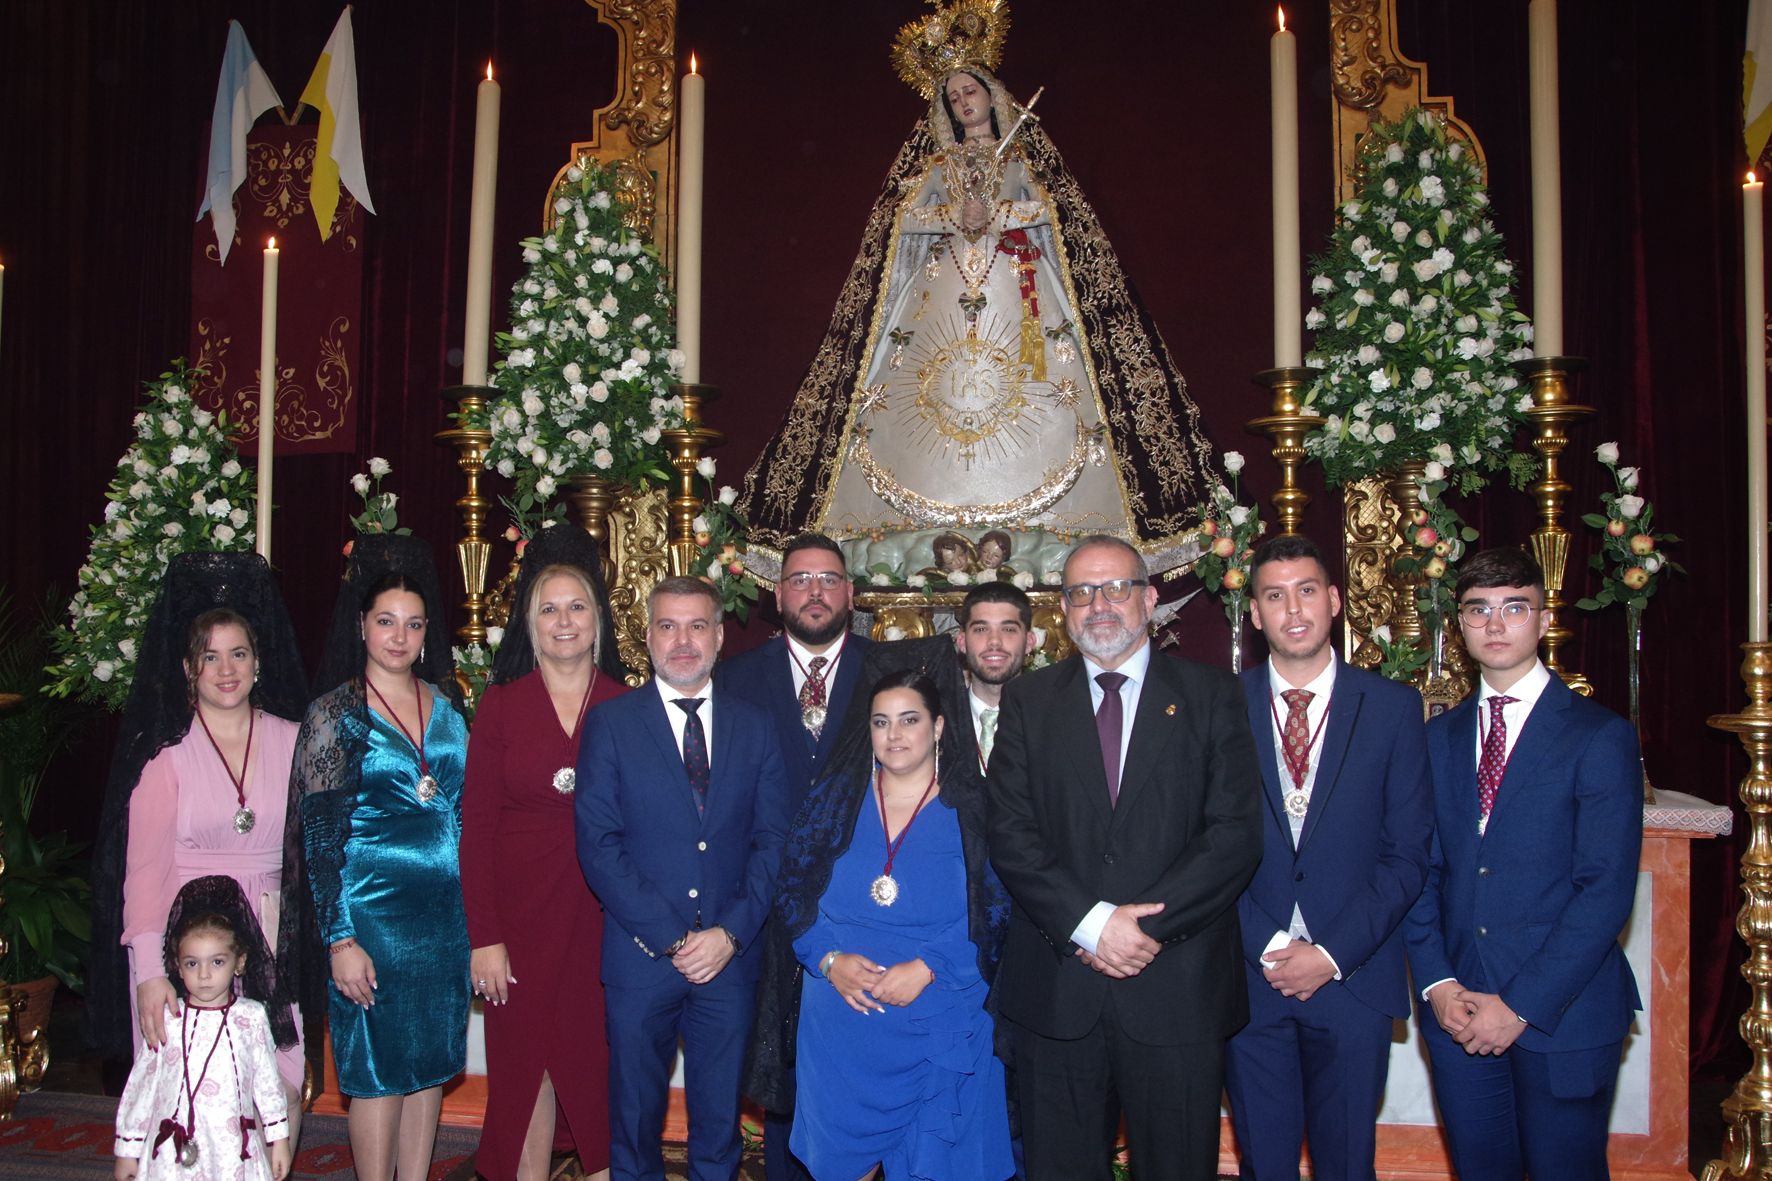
1117,591
828,580
1513,614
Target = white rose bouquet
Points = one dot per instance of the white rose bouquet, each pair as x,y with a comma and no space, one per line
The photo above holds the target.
378,515
1416,328
584,384
178,487
1631,560
720,533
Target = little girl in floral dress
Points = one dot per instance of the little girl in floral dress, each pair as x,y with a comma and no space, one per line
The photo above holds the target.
209,1104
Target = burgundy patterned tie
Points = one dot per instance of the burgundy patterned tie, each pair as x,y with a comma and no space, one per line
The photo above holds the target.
1109,720
812,689
1494,761
1295,736
695,751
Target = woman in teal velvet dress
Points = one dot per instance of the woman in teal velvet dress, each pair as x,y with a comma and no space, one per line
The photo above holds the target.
380,765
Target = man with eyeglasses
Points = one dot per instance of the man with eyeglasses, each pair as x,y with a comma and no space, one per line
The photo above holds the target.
1348,814
805,679
1125,823
1526,996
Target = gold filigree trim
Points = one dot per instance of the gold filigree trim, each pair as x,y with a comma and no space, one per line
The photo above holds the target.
639,549
927,512
1361,72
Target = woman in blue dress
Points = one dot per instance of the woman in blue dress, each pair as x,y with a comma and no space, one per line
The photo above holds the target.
894,1054
379,768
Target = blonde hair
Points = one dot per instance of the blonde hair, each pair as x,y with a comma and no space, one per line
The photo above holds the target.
530,608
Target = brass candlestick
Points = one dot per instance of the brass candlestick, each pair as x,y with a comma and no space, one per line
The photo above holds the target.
1287,425
688,442
1747,1141
1552,414
1405,493
471,439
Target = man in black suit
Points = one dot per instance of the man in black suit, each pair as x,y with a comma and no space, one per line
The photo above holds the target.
804,678
1126,821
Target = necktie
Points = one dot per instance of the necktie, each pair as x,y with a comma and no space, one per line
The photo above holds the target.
987,732
1295,735
1494,761
812,692
695,751
1108,722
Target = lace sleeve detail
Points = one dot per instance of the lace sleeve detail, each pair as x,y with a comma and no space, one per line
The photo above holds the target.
328,760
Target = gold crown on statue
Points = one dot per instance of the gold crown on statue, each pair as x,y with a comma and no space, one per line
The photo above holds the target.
953,37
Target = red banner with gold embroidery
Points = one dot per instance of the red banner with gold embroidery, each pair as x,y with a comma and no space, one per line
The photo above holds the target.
319,302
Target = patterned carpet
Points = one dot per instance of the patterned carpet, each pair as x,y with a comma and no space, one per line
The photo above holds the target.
62,1137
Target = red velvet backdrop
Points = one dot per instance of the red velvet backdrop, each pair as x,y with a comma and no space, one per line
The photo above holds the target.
1161,112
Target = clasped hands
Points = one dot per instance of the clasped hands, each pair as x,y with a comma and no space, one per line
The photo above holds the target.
702,954
1123,949
867,987
1298,969
1481,1022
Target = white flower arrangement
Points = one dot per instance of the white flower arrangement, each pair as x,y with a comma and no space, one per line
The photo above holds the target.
378,514
584,385
178,487
1417,331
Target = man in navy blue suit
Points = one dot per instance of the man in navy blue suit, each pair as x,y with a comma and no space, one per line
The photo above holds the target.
1345,832
804,679
1526,994
681,810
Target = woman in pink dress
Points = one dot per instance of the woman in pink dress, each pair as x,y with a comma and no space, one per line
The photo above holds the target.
212,794
534,926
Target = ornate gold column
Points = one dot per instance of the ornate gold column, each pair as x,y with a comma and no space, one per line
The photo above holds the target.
688,442
1551,415
470,440
1747,1142
1287,425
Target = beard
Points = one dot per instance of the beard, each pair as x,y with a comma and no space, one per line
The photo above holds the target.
811,635
978,672
1102,644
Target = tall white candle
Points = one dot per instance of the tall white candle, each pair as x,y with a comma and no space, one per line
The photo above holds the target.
1754,333
692,129
1547,182
2,279
267,397
1288,266
478,320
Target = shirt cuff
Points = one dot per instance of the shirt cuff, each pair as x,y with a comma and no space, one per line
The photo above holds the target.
1088,933
1280,939
1436,984
148,954
1330,958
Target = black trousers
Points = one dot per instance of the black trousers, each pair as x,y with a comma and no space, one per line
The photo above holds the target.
1073,1093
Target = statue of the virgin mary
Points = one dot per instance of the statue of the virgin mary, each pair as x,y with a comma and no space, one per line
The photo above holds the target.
987,363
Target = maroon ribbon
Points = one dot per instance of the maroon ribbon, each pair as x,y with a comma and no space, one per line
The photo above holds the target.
171,1128
247,1123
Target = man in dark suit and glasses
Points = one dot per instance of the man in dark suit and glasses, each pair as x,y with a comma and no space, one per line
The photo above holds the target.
1126,821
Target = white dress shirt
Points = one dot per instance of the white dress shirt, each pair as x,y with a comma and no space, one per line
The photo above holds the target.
679,717
1321,688
1136,668
800,662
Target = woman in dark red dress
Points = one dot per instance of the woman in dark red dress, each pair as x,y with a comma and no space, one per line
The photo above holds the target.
534,926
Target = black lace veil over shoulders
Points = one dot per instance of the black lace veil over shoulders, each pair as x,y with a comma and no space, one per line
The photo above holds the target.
559,545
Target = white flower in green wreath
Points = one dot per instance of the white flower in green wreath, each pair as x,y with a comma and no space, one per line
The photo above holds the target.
178,487
585,384
1416,328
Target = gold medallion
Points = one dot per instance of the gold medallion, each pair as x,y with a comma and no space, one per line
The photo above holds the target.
884,891
812,717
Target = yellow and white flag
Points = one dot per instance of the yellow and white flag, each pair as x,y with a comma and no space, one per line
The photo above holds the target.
1756,80
332,90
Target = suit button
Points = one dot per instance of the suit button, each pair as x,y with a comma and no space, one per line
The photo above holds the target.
1299,876
695,893
1482,930
702,846
1482,871
1107,858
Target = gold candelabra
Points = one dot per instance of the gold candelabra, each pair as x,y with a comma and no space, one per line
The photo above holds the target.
470,440
1551,414
1747,1139
1287,425
688,442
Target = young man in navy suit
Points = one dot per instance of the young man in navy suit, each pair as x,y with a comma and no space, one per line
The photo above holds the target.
1346,822
804,679
681,810
1526,994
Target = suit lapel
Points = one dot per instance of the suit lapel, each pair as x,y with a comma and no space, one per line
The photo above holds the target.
1256,693
785,703
1338,729
1077,713
658,725
836,700
1155,724
1538,738
720,756
1460,735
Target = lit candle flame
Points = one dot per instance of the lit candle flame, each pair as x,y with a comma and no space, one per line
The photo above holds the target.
1751,178
271,245
489,69
1282,11
692,68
